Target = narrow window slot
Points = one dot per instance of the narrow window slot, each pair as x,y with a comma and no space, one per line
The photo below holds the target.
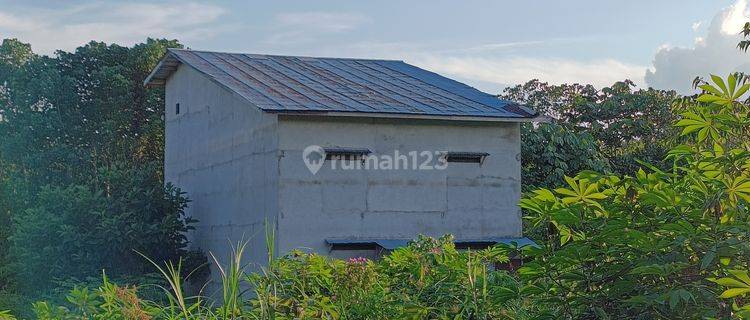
466,157
346,153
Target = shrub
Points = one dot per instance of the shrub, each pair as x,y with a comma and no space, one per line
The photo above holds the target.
430,279
83,230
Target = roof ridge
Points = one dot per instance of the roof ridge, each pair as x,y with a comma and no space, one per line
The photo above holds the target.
286,56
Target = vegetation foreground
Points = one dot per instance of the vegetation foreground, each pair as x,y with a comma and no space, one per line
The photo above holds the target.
657,244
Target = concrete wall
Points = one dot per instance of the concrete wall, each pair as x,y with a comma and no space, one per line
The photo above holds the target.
468,200
222,152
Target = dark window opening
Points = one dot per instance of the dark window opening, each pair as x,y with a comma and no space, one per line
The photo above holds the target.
355,246
368,250
466,157
345,153
177,108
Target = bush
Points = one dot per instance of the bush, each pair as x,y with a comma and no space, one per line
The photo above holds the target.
430,279
84,230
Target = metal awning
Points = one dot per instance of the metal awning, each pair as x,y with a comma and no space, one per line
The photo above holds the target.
391,244
520,242
388,244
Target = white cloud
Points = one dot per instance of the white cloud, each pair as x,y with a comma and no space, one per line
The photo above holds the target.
502,46
733,18
494,74
122,23
322,21
12,23
489,68
293,28
697,25
714,53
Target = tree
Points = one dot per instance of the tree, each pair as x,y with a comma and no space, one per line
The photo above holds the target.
626,125
13,55
551,151
81,159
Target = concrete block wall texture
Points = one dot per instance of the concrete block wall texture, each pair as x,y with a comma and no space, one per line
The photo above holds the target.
468,200
222,153
241,167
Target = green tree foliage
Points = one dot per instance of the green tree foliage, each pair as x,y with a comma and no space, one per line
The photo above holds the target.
551,151
81,164
84,231
603,130
643,246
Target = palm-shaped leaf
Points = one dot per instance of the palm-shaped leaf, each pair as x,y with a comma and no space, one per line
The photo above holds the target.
739,285
581,191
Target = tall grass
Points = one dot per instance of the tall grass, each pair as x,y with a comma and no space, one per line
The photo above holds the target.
175,293
231,281
265,291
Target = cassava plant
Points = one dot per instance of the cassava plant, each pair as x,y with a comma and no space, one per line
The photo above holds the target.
650,244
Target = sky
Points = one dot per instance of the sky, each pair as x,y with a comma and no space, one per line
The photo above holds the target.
487,44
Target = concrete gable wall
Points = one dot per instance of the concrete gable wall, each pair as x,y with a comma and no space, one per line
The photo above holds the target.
222,152
467,199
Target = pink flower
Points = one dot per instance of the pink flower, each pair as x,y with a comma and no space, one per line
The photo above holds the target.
358,260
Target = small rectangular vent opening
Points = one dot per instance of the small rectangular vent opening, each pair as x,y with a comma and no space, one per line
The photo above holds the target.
346,153
466,157
177,108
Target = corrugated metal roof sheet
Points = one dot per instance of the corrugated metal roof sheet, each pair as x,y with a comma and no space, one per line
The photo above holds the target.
305,84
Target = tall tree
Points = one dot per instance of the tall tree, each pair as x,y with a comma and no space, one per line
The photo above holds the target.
81,158
13,55
608,129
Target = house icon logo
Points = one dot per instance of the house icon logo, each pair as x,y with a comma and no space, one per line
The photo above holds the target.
314,156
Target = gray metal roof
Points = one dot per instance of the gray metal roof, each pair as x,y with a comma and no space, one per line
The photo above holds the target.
325,85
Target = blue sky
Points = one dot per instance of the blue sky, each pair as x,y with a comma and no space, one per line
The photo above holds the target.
488,44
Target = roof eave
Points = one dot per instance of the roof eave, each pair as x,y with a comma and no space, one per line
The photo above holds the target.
406,116
166,66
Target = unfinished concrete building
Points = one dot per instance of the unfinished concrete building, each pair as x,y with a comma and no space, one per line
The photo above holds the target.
238,126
